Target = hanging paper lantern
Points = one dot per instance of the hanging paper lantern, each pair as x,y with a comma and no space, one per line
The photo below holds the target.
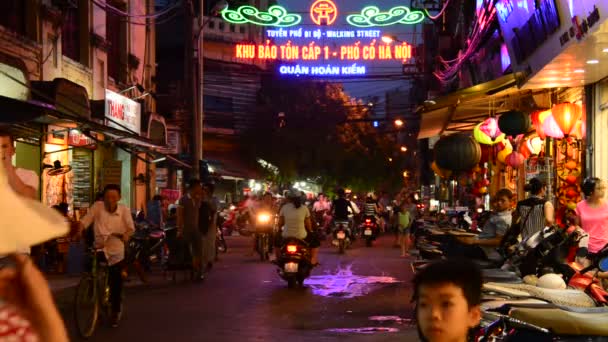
579,131
514,122
457,152
566,115
505,150
440,172
524,150
538,118
490,127
551,128
534,145
515,159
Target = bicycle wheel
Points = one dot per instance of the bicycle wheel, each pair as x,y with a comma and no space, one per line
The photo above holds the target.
86,306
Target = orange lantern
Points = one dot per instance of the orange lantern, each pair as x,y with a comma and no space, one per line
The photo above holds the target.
579,131
566,115
524,150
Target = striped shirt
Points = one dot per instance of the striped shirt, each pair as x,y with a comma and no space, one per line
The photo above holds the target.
369,209
532,215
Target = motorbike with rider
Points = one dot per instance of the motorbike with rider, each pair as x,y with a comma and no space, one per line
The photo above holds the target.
340,211
264,224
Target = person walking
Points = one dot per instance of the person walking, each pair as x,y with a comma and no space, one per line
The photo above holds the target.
592,217
188,224
208,225
113,226
404,222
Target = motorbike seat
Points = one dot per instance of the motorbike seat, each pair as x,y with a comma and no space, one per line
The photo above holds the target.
566,297
564,322
157,234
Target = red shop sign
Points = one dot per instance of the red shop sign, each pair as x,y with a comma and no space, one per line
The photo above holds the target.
78,139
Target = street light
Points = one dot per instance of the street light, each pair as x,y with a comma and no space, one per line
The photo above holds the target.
390,159
403,149
406,174
389,39
399,123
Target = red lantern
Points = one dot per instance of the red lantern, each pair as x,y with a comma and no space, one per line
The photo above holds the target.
538,118
515,159
566,115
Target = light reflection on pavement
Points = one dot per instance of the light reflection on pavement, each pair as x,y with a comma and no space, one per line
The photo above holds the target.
345,284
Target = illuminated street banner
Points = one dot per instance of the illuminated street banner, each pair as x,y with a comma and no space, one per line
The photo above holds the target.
323,46
323,13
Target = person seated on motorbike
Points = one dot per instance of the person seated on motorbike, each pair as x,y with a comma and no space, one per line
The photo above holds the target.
340,207
265,205
371,208
294,217
320,208
493,230
447,294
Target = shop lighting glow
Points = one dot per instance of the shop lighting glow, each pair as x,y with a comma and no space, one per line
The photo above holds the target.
371,16
579,71
605,50
276,16
593,61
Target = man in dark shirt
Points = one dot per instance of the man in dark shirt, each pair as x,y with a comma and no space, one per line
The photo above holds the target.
339,207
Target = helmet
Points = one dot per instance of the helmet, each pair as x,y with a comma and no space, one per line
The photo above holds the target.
551,281
293,194
341,192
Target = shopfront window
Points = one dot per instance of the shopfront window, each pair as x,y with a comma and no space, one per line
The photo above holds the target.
70,33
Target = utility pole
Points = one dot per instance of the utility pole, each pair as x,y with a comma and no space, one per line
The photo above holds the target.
196,74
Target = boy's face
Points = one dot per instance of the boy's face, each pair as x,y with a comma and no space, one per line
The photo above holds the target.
443,313
502,203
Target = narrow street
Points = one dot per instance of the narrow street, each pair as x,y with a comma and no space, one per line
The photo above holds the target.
362,295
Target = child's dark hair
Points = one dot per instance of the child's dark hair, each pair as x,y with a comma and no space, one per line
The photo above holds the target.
462,273
504,193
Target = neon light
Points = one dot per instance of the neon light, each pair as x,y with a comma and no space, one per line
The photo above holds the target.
323,70
276,16
371,16
323,12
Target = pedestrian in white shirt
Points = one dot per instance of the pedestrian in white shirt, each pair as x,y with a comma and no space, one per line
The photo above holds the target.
24,182
113,228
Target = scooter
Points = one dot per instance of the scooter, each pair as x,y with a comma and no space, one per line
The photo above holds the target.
264,228
342,235
294,262
370,230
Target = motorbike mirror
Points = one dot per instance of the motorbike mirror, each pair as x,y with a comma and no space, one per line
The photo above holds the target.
603,264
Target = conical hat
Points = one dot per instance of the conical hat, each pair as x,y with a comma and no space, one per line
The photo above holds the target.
25,222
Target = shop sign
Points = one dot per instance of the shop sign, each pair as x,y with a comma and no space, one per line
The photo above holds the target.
78,139
171,195
580,27
173,142
162,177
122,113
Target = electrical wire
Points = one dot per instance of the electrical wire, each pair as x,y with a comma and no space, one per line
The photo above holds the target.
435,17
157,14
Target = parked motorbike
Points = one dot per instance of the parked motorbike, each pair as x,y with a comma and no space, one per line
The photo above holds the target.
370,230
263,231
294,262
236,219
342,235
147,245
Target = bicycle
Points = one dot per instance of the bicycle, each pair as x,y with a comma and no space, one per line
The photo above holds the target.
92,297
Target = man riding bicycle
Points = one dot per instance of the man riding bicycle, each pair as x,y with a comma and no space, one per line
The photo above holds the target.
113,226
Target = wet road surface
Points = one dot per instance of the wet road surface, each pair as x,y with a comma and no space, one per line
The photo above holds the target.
360,296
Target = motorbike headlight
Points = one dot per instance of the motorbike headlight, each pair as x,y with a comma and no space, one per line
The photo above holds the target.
263,218
232,207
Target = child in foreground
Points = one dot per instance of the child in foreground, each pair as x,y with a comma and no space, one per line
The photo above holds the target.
447,294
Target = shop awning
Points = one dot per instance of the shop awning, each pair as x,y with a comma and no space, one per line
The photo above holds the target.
18,111
229,165
65,95
460,111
